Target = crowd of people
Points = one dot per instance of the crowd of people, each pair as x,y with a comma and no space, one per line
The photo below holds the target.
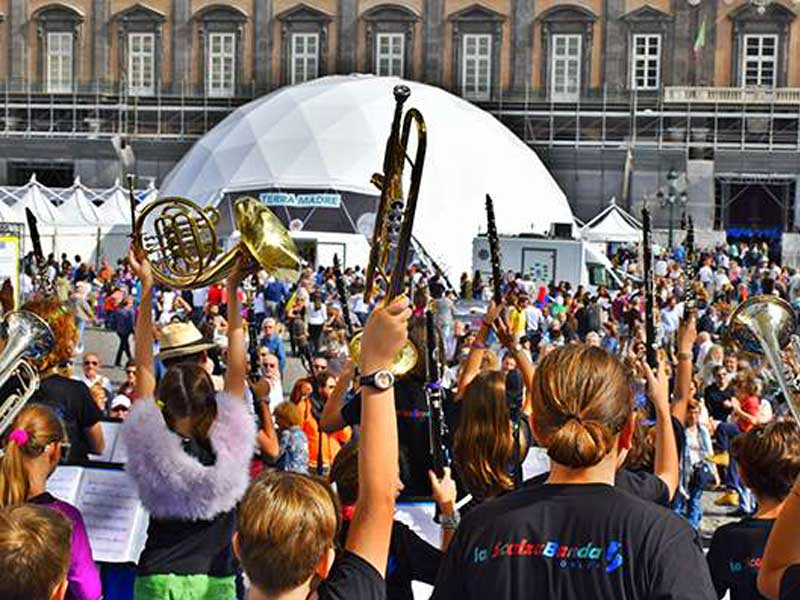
262,484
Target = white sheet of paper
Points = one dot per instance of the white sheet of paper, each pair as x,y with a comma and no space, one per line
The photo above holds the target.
64,483
111,437
418,516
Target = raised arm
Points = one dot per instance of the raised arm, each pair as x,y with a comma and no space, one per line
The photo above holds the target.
143,332
384,334
331,419
236,371
687,333
472,365
783,546
666,465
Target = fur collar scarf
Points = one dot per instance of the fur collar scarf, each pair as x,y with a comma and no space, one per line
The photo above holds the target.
174,485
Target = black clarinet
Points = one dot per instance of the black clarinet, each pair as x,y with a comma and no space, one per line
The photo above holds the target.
689,295
649,293
494,251
342,293
434,395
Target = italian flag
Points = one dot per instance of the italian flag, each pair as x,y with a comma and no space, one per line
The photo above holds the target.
700,41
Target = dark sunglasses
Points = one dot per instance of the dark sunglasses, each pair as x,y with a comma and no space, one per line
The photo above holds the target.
90,362
131,372
120,409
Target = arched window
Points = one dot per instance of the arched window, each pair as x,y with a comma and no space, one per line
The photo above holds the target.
567,33
139,42
57,29
304,47
477,45
221,32
390,40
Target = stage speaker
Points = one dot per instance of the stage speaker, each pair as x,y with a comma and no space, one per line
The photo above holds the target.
561,231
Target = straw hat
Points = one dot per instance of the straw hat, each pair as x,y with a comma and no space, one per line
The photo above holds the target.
181,339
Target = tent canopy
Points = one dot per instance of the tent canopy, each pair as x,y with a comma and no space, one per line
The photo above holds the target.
77,211
613,224
330,134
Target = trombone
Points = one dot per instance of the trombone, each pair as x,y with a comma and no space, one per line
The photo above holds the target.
391,238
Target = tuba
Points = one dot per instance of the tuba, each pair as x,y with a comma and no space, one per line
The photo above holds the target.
391,238
180,240
28,338
765,325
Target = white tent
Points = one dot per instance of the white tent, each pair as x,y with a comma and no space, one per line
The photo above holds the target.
613,224
77,211
116,209
330,134
35,200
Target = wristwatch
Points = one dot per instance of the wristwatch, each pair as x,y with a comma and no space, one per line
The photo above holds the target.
380,380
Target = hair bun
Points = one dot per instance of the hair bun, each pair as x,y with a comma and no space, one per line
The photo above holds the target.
579,443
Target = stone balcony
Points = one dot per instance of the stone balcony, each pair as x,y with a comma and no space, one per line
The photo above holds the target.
732,95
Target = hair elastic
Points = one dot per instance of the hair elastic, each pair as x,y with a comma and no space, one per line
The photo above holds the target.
570,416
19,436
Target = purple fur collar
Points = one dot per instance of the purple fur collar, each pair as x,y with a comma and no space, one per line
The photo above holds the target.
174,485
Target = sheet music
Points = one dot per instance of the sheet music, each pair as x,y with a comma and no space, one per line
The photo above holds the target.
64,483
120,453
111,436
418,516
114,516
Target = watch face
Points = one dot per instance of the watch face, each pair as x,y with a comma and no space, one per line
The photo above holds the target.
384,380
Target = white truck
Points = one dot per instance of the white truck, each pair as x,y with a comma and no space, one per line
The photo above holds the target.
547,259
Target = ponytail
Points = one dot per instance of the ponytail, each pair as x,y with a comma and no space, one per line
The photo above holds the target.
35,427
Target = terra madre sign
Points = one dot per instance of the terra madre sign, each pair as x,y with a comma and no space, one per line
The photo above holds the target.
301,200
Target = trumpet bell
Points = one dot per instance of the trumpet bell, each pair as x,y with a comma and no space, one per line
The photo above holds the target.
760,318
405,360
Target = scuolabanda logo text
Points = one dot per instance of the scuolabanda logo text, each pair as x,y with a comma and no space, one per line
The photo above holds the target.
587,556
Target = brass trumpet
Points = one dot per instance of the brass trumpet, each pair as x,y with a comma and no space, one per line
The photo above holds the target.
180,240
391,238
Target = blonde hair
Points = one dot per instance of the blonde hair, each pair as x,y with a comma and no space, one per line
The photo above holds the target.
288,414
286,522
582,399
43,427
483,445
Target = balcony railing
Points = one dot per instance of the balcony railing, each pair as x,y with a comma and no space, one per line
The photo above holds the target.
731,95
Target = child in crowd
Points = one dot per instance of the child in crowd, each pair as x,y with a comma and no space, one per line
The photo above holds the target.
287,522
293,453
32,452
34,553
769,459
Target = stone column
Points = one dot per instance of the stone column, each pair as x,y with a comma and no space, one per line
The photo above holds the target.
19,49
522,12
347,37
615,47
262,43
682,43
182,42
101,13
433,23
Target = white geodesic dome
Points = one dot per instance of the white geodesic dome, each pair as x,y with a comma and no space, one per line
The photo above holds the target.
330,134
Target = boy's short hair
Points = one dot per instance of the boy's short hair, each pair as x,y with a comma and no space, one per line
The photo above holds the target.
769,456
285,524
35,552
288,413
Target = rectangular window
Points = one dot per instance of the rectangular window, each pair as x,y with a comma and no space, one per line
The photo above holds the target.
141,64
759,60
59,62
565,75
221,75
389,48
646,62
304,57
476,66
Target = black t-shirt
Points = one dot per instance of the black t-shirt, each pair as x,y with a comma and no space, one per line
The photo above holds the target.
790,583
641,484
715,399
185,547
72,402
352,577
735,557
573,541
410,559
412,431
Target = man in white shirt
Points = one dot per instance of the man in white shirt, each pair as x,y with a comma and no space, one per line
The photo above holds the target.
533,319
706,276
272,373
91,376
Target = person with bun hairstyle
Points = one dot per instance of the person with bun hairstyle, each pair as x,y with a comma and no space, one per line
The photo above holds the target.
769,459
32,451
576,536
190,460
